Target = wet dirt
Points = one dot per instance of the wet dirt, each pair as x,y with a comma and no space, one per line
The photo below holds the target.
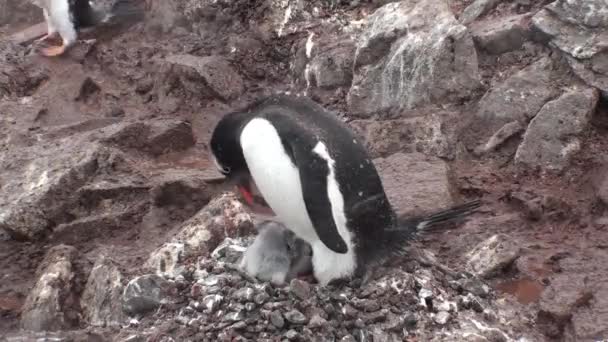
123,78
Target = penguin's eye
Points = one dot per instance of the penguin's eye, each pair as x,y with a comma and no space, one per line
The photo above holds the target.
222,169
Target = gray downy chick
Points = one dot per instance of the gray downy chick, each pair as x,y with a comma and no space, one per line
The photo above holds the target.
276,255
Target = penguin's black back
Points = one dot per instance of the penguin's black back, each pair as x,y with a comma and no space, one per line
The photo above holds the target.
82,14
302,121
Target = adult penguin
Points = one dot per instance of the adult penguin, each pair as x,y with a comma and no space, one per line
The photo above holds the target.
66,17
319,180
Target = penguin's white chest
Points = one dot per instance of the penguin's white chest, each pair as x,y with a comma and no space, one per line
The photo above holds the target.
276,177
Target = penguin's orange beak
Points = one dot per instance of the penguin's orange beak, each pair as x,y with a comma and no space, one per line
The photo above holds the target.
251,195
246,193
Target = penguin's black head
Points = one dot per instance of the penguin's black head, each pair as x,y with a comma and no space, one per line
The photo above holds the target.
227,153
226,147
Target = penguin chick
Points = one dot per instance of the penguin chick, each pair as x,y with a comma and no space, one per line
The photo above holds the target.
276,255
66,17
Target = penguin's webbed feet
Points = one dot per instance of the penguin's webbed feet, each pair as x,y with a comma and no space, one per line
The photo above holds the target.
53,51
45,38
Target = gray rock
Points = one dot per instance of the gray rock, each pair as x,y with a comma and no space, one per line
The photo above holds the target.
212,302
552,136
244,295
166,261
277,319
261,298
425,178
430,133
155,137
145,293
300,289
211,72
580,30
476,10
518,98
292,335
442,317
492,255
316,321
476,287
501,35
562,297
503,134
40,183
412,53
332,65
295,317
235,316
225,216
47,306
101,299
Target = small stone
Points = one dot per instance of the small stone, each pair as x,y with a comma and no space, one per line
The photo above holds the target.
239,325
295,317
235,316
369,305
442,318
244,295
277,319
470,302
250,307
292,335
316,321
349,311
212,302
492,255
359,323
349,338
145,293
476,287
410,320
446,306
300,289
261,298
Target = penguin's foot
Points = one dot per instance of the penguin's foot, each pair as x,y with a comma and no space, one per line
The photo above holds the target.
45,37
54,51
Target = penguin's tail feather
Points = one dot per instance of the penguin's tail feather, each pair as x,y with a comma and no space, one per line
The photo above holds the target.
395,240
433,221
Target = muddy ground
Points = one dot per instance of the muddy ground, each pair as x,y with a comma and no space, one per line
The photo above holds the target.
558,220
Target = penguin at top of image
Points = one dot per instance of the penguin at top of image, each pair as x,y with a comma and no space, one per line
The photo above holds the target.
66,17
319,180
276,255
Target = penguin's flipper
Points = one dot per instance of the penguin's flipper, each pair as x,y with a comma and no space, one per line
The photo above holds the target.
314,172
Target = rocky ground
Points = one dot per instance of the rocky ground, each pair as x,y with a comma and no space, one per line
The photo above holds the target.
113,227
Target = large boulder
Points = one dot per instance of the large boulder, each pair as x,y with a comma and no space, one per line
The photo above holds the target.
223,217
518,98
39,183
552,137
101,300
50,304
579,29
410,54
415,182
